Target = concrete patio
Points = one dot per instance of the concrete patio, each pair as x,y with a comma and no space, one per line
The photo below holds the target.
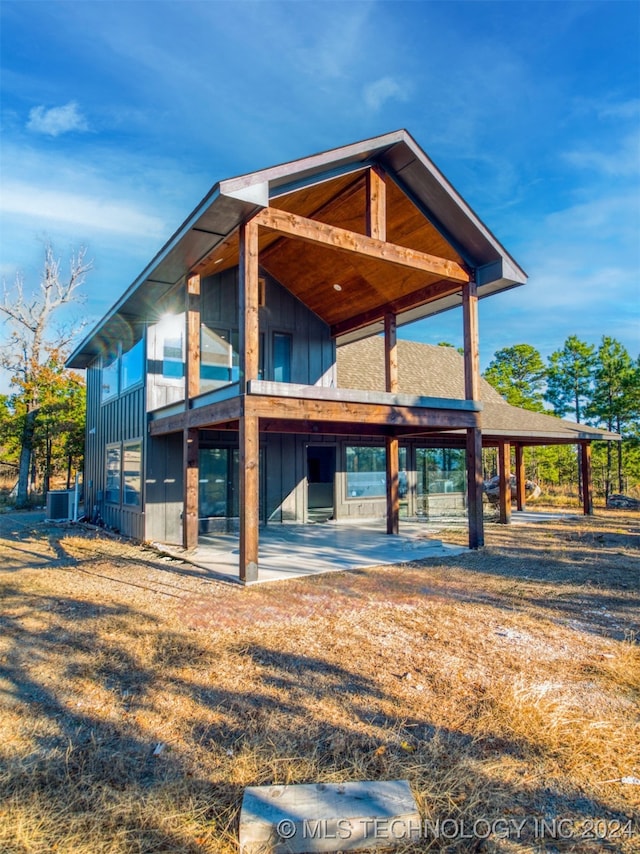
292,551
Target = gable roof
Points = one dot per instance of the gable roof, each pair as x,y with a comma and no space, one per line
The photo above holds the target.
424,213
435,371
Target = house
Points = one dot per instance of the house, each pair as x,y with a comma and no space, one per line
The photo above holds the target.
213,397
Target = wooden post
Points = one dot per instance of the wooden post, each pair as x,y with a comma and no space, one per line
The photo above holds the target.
471,341
249,425
504,472
521,501
376,204
391,442
474,434
390,354
190,511
248,304
191,479
192,348
587,488
249,475
474,487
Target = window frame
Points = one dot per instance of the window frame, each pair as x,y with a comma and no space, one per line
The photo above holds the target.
142,365
123,470
383,472
110,448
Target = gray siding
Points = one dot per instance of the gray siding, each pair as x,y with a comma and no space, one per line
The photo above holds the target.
313,349
118,420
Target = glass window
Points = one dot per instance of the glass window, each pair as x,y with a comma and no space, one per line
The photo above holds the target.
440,481
132,472
110,370
173,356
132,366
216,359
281,358
366,472
112,492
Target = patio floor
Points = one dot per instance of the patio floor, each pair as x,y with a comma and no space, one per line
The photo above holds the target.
292,551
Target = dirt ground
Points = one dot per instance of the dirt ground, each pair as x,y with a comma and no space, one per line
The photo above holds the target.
140,696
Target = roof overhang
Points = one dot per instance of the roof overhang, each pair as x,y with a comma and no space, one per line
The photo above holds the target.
210,229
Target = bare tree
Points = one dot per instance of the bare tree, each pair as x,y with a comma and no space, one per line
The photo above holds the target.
34,337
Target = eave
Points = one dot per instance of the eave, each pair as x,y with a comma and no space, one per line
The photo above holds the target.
207,241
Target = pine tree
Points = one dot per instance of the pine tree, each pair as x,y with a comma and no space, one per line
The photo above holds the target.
518,374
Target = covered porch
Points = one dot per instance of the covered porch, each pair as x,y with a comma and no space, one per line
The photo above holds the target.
270,410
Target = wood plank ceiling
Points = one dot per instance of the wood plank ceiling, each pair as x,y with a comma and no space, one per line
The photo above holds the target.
368,287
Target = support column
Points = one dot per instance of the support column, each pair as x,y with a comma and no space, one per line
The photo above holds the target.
191,448
504,472
587,487
391,442
474,434
521,501
474,488
249,427
249,476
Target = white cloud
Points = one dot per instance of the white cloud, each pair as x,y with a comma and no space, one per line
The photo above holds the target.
86,212
376,93
57,120
621,162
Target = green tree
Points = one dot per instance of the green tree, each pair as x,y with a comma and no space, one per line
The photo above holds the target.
612,404
518,374
570,377
33,340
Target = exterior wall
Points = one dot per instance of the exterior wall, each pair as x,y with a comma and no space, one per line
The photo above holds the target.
313,350
117,420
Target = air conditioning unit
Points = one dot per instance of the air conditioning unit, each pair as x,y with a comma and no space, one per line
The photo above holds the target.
59,505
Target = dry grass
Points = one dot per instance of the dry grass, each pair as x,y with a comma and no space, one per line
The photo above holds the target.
502,684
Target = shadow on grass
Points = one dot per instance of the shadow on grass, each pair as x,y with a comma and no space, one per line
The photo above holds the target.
85,771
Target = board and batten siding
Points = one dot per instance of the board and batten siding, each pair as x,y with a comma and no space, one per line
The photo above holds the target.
313,353
118,420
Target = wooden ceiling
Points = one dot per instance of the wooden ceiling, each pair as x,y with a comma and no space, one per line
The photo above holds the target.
368,286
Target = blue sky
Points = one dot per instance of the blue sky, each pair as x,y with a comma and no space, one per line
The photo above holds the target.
117,117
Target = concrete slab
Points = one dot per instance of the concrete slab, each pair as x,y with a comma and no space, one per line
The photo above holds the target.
327,817
292,551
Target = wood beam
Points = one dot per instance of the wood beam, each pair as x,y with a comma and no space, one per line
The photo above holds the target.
312,231
249,495
429,293
471,341
521,499
191,479
474,488
248,304
392,417
192,342
504,473
587,487
376,203
205,416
